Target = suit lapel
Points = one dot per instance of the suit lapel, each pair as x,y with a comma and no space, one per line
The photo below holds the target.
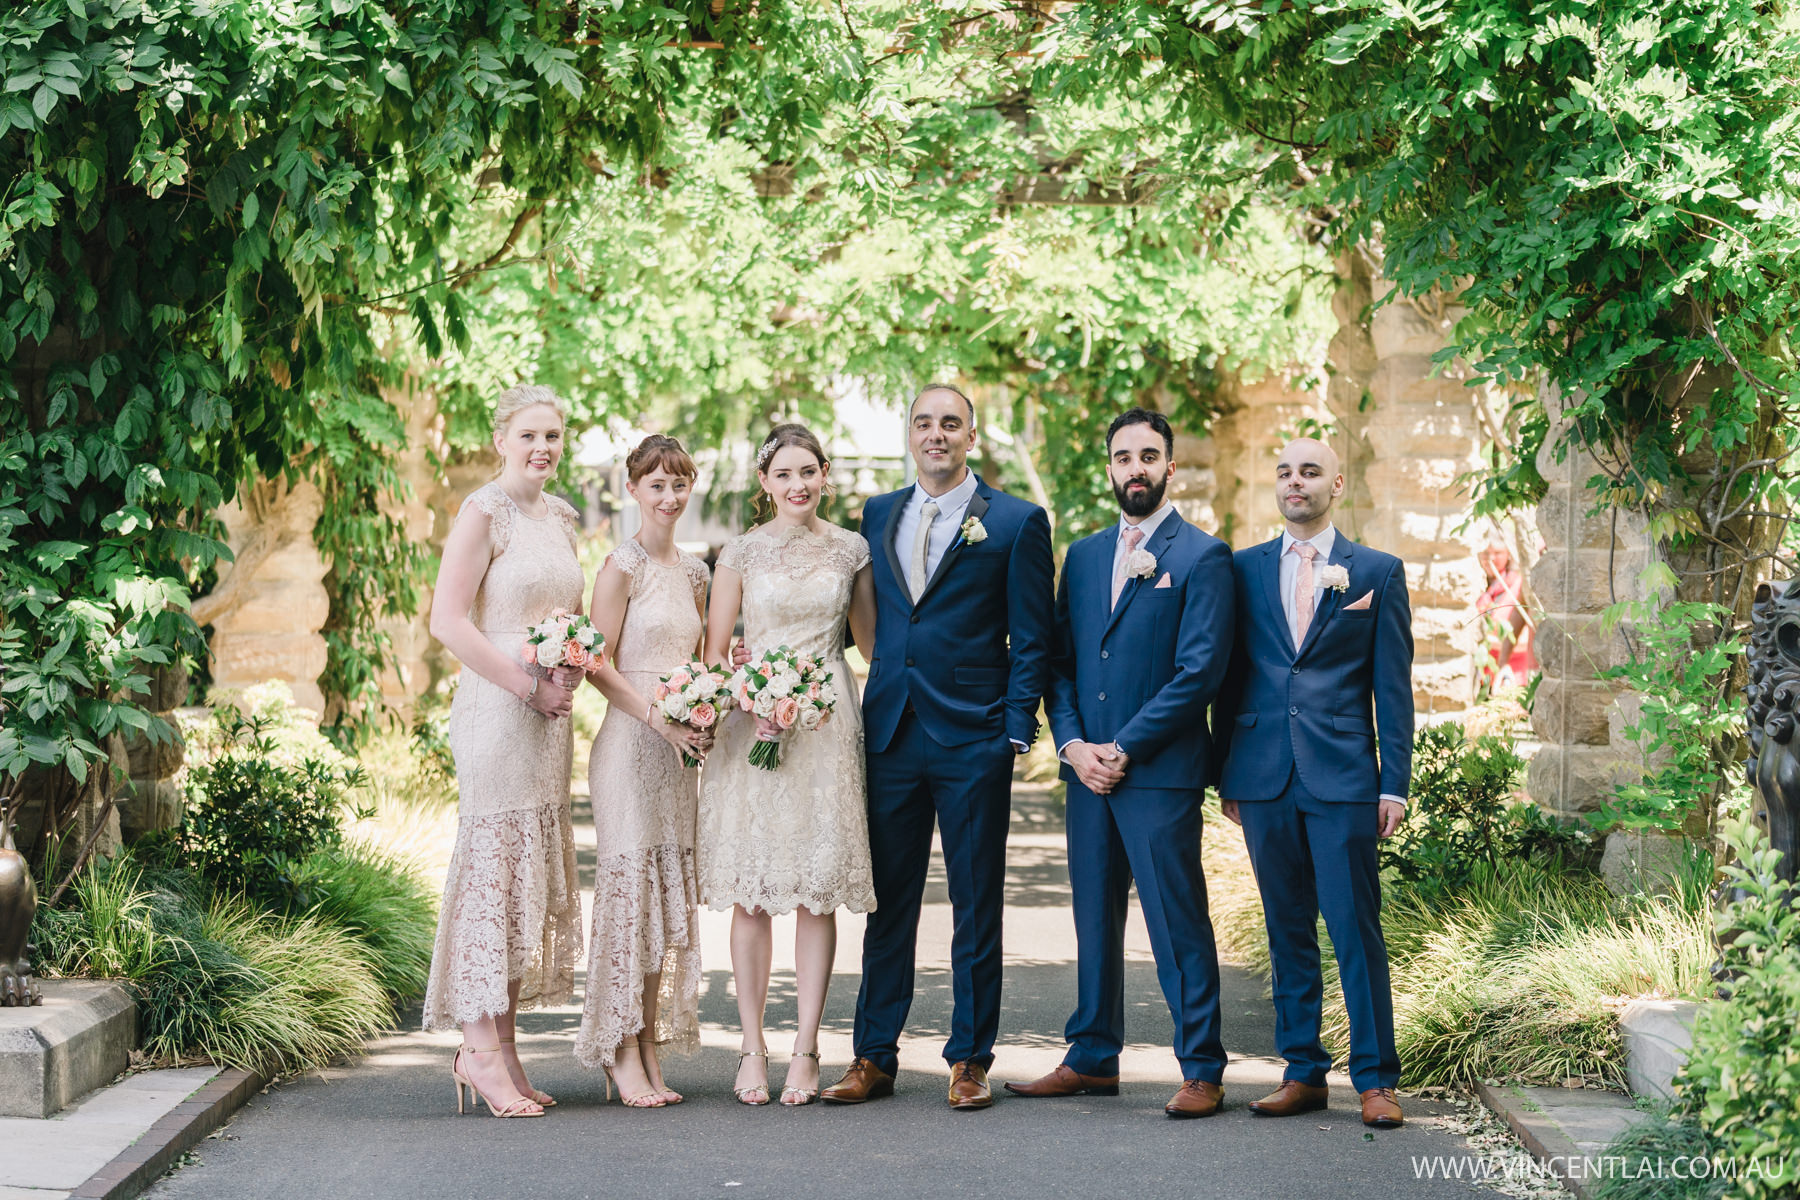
1342,550
1159,542
888,534
1271,580
978,506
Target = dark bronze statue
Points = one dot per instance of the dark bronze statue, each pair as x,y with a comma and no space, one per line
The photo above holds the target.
18,904
1774,765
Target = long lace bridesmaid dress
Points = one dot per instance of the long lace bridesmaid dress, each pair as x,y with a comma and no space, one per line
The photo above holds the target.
797,835
644,887
512,905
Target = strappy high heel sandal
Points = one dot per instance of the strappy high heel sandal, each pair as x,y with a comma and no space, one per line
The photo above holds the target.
543,1098
801,1095
669,1095
650,1099
744,1094
524,1106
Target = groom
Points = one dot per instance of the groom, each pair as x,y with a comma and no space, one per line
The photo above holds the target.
1324,662
1143,635
961,658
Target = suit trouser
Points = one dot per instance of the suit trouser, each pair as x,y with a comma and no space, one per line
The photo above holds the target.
967,790
1152,835
1312,855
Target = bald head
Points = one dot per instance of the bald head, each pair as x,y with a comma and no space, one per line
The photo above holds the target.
1308,481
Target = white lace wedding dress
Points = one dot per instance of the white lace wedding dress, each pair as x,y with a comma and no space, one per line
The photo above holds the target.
644,800
797,835
512,903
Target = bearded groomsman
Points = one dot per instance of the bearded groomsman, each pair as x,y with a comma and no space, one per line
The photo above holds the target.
1323,663
1142,636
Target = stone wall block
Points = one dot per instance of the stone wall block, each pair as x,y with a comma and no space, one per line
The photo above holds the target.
1566,512
1412,380
1444,685
1576,645
1570,780
1572,712
1447,584
1398,328
1586,581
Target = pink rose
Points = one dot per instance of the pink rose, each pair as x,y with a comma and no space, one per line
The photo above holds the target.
530,655
702,715
662,692
787,711
576,654
680,679
812,691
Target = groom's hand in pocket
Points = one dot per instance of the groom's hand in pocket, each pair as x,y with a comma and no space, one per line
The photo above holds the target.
1099,768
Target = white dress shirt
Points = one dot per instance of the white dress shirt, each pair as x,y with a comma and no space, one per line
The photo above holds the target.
1324,541
953,506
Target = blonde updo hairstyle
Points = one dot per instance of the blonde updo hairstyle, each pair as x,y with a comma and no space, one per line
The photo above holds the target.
762,508
515,400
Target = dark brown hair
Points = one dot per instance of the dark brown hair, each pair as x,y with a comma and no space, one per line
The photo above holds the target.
660,452
762,508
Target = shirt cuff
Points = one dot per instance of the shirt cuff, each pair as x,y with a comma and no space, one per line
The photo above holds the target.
1400,800
1018,746
1062,755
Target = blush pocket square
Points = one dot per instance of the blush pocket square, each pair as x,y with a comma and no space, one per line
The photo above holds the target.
1363,603
1164,581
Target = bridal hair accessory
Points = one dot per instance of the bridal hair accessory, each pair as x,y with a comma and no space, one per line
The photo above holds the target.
765,454
1335,577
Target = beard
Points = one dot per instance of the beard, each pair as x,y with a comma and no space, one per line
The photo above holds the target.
1140,504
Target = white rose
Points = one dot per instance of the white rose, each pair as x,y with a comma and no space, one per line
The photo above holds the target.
550,653
586,635
778,687
827,695
1334,576
763,706
811,717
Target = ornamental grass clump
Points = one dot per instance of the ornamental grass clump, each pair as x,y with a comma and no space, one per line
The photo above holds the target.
382,902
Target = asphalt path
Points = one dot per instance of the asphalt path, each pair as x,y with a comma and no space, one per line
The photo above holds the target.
385,1125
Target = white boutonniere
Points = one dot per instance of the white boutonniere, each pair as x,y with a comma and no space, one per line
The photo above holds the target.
973,531
1335,577
1140,564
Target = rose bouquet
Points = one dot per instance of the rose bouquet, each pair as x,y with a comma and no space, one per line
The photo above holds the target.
785,689
693,694
563,639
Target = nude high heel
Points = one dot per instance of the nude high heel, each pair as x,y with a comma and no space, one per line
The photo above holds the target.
743,1094
524,1106
650,1099
801,1095
543,1098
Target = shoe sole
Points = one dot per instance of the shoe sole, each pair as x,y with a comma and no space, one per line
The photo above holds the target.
828,1098
1178,1115
972,1105
1384,1124
1101,1090
1293,1112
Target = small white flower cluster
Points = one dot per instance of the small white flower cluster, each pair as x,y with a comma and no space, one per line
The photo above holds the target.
1334,576
1140,564
973,531
563,638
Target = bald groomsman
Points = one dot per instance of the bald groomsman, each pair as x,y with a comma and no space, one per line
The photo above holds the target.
1323,663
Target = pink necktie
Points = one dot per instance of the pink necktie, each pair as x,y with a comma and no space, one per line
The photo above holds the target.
1133,535
1303,590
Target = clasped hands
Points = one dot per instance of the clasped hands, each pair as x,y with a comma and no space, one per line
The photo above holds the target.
554,695
1100,768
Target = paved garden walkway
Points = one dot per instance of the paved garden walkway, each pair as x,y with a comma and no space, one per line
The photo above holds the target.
386,1127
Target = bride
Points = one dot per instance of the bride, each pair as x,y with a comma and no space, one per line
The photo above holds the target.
794,839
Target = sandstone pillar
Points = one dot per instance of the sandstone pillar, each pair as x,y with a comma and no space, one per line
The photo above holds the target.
1408,432
1255,421
270,605
1589,563
408,671
150,798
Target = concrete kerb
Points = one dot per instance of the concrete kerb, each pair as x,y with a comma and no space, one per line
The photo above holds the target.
1563,1128
183,1127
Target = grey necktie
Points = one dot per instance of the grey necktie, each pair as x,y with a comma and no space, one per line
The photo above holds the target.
921,542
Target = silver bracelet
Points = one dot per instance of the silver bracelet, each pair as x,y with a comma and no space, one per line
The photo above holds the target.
534,684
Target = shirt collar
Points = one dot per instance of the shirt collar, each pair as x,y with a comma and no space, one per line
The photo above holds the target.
1149,524
1323,541
956,497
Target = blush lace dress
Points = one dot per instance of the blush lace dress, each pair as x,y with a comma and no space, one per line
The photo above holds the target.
512,904
644,898
797,835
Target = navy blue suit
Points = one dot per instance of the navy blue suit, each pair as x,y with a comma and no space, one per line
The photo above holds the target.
1142,673
954,680
1296,726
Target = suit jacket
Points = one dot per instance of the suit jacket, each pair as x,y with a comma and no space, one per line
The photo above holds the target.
1316,708
1143,672
972,655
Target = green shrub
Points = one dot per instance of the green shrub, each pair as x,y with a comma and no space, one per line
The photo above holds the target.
1646,1157
379,900
216,978
1742,1076
1463,814
251,818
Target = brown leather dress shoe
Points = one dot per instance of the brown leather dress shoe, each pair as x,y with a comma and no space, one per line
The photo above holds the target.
1067,1081
969,1087
1290,1098
863,1081
1197,1098
1381,1110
